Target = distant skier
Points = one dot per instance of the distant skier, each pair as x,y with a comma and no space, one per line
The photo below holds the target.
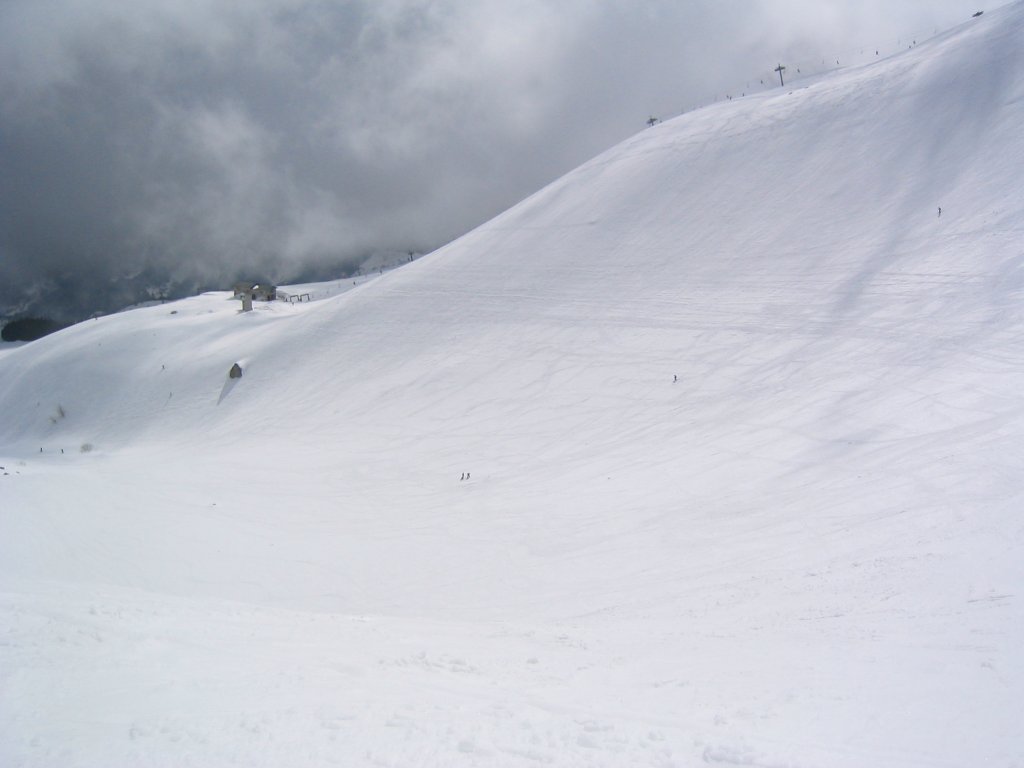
463,477
675,378
940,211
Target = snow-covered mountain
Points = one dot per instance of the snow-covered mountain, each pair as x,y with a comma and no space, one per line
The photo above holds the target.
709,451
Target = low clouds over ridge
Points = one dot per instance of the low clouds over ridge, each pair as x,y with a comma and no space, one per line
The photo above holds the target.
184,143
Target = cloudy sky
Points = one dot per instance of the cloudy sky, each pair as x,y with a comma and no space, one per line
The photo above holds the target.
190,142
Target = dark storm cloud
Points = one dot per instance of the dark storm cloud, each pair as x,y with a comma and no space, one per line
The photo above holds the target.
178,142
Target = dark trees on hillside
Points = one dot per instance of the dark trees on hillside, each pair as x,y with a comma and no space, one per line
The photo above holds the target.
29,329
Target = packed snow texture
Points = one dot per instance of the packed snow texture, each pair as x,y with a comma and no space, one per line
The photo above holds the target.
709,452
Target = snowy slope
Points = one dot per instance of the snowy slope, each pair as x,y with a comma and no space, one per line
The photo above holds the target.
805,551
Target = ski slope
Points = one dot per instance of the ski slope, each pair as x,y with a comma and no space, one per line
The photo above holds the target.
743,421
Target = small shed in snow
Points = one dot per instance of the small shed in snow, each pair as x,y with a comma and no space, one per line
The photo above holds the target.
255,291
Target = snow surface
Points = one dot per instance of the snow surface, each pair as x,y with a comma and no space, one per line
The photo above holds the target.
806,551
